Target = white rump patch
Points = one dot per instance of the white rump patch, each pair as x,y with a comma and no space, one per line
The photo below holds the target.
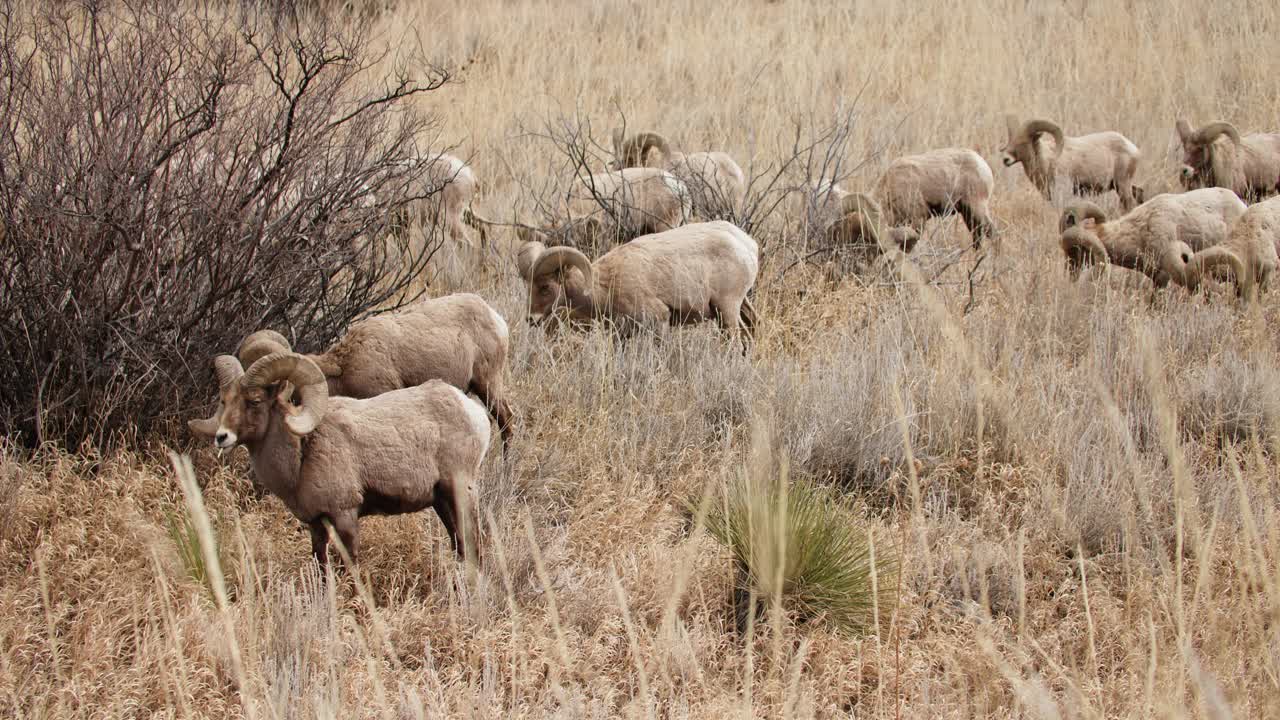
745,247
499,323
477,415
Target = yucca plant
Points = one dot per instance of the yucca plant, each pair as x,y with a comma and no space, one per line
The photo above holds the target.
186,540
796,543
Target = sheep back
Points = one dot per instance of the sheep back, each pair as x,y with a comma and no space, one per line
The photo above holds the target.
1091,160
1261,162
1200,218
715,169
685,271
648,198
395,447
915,187
1256,234
454,338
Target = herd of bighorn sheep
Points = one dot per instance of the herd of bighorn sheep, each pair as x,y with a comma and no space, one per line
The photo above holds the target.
383,421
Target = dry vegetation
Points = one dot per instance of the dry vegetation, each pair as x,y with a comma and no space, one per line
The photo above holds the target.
1079,482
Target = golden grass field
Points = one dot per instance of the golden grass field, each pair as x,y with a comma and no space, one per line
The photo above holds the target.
1079,481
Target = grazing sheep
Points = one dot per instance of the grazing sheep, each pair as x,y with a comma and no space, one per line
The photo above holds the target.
1250,250
917,187
452,186
1216,156
692,273
1158,238
458,338
855,219
613,207
713,178
337,458
1094,163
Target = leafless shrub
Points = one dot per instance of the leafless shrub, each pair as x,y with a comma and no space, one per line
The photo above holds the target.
172,178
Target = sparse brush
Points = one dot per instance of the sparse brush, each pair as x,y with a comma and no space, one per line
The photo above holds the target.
796,543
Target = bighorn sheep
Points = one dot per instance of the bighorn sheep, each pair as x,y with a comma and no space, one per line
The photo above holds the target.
917,187
452,186
458,338
1216,156
716,182
337,459
856,219
1093,163
1250,250
613,207
1158,238
692,273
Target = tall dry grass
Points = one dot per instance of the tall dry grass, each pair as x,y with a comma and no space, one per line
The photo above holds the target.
1078,481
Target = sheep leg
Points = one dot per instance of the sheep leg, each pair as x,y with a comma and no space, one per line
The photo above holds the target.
498,408
347,526
748,318
457,514
320,543
1124,188
978,223
732,323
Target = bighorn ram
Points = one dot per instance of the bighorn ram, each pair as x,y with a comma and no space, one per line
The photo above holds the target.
337,459
1158,238
917,187
458,338
609,208
716,182
1093,163
1250,250
1216,156
856,219
692,273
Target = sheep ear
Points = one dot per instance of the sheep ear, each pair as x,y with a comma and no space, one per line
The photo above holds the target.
1184,129
1011,121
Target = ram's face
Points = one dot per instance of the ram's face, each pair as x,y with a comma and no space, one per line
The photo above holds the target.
1190,179
242,416
1012,152
1196,162
546,294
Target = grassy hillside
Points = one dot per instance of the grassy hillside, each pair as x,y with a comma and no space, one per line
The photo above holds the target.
1078,481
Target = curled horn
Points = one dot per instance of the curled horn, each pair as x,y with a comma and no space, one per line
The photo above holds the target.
1210,132
302,373
1207,259
1077,241
558,258
261,344
1077,213
860,203
228,369
859,218
636,147
1184,129
1033,128
527,256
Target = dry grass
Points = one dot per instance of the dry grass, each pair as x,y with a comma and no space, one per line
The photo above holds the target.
1080,484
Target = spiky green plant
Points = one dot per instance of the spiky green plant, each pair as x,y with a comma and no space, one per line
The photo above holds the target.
796,543
186,540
